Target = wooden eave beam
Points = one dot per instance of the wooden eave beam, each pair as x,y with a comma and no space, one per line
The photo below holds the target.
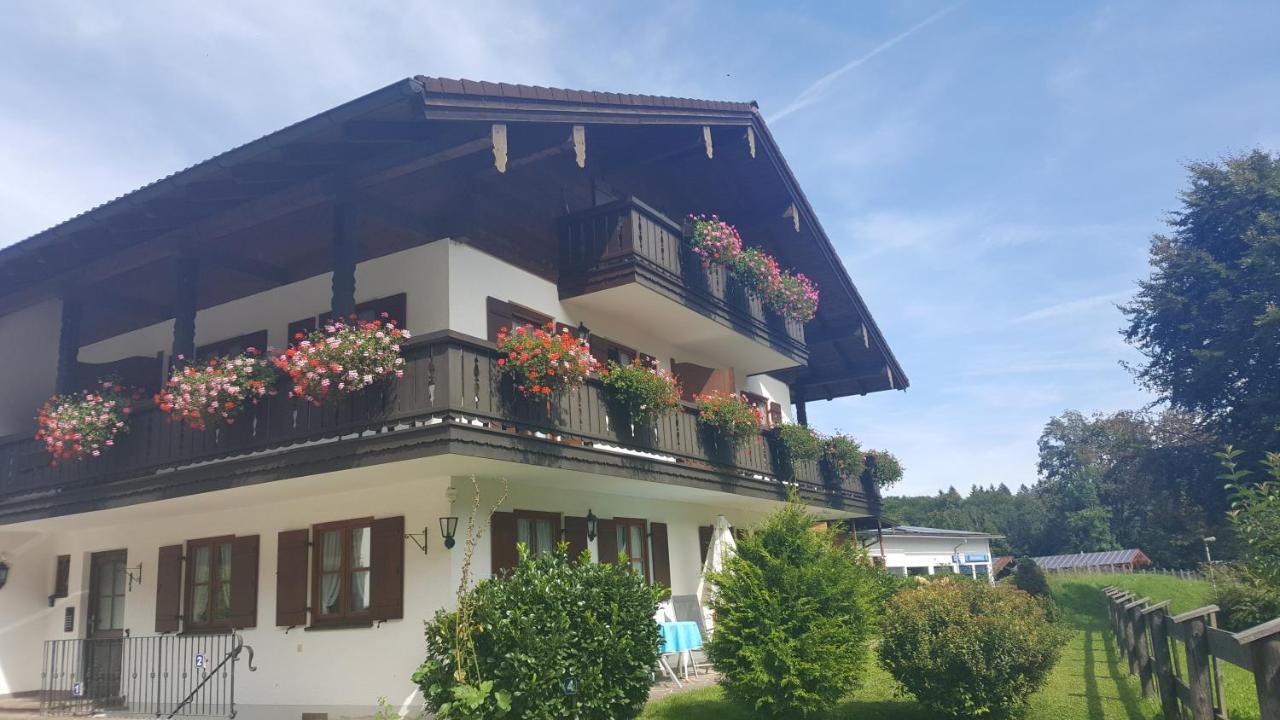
453,107
132,306
383,131
267,272
239,217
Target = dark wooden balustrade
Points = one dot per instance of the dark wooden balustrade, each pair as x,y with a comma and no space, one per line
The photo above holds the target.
627,241
449,380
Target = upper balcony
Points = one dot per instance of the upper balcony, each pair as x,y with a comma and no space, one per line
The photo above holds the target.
452,401
623,256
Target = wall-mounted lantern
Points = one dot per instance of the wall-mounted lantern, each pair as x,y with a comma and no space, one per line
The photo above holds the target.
592,522
449,528
4,573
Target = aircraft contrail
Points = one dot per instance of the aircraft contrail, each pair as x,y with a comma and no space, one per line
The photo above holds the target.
812,93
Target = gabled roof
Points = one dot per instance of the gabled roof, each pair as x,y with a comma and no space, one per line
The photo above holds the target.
847,352
1093,559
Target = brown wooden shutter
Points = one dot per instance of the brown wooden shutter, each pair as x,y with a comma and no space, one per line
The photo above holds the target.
575,534
498,315
660,554
386,573
704,539
244,582
698,380
292,590
775,413
61,577
502,532
169,589
607,541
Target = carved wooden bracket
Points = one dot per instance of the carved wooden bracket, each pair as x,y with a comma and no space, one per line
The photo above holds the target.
706,141
794,215
580,145
499,137
751,140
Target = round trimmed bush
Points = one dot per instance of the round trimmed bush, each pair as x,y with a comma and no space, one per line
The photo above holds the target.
968,649
794,610
547,620
1029,578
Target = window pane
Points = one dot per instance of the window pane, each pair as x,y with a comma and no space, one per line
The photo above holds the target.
622,541
524,533
222,602
224,562
636,547
543,535
104,612
200,564
200,604
117,572
360,547
330,587
359,590
117,613
331,555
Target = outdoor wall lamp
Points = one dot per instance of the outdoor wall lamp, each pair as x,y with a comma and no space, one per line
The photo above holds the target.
4,573
448,528
591,526
414,537
584,333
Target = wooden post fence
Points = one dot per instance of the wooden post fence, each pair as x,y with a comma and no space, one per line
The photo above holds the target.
1150,639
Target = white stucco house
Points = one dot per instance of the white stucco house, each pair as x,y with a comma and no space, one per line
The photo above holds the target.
322,536
914,550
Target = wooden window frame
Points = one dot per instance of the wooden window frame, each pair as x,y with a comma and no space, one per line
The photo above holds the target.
215,583
256,340
556,519
345,616
625,546
601,347
521,315
392,305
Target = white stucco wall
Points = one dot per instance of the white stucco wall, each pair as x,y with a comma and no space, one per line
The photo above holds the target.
421,273
28,364
342,672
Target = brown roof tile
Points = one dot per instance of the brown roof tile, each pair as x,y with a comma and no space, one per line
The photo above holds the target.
447,86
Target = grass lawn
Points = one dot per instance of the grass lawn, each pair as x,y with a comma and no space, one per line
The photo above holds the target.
1089,683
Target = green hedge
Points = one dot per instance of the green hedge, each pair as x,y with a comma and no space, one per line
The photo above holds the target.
548,619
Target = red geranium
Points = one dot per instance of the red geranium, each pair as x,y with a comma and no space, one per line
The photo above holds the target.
215,391
542,361
83,424
343,358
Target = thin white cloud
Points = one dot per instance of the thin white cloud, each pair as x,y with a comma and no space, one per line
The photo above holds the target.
1073,307
815,91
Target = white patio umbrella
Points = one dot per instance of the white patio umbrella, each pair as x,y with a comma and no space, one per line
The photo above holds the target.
722,546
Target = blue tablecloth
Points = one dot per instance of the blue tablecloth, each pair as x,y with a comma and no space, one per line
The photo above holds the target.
680,636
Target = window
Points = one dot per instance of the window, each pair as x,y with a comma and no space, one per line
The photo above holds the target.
233,346
343,563
604,350
393,306
539,531
631,535
208,593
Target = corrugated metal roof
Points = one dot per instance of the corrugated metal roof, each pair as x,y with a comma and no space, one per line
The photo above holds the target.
1088,560
920,531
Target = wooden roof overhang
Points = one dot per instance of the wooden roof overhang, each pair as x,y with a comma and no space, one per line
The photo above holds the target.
418,157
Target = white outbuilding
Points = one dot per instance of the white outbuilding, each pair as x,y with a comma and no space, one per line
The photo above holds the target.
914,550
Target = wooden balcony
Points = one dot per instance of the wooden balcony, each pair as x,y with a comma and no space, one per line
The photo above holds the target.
628,243
452,400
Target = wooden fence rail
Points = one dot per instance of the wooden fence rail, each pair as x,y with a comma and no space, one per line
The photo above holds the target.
1151,641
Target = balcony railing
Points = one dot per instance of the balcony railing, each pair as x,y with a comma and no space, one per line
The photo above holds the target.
450,381
627,241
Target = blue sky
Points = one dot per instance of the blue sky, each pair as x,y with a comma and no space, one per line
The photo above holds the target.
990,173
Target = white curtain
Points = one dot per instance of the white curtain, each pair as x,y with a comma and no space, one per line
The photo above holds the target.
330,578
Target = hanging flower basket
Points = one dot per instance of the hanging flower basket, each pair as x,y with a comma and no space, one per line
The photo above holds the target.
714,240
212,393
83,424
641,390
340,359
792,295
843,457
543,362
729,416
